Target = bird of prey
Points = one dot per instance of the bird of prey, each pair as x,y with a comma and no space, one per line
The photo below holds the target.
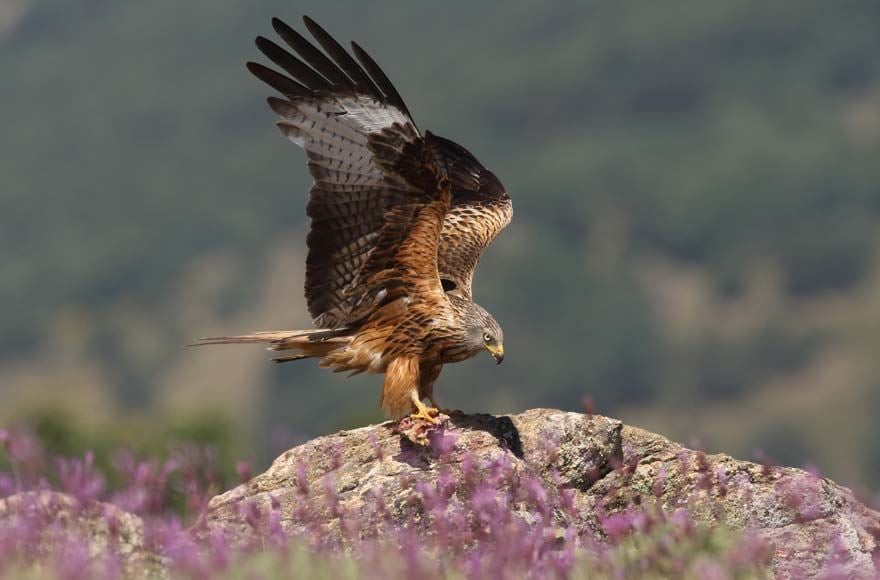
399,220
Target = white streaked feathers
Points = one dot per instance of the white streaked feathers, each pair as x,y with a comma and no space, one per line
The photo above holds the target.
338,130
370,115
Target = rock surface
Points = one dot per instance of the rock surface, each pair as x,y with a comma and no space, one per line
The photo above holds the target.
810,521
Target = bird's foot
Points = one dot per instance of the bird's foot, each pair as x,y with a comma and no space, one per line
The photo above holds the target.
419,426
427,414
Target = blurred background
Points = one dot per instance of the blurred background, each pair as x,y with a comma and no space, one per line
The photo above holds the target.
695,245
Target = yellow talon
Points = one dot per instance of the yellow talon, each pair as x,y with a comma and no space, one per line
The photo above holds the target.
428,414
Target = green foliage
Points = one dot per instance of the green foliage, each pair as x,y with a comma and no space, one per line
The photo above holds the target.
719,135
730,368
61,434
663,552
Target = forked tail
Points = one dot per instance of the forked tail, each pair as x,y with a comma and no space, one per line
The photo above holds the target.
305,343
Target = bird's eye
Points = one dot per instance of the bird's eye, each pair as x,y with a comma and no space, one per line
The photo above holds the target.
487,337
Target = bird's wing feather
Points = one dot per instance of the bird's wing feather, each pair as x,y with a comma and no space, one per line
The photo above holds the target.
377,193
480,209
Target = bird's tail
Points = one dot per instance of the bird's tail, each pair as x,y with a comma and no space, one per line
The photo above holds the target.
304,343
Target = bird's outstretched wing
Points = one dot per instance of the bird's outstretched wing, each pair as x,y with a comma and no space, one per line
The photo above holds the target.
379,197
480,209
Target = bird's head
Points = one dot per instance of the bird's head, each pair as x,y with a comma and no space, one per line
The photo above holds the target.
484,332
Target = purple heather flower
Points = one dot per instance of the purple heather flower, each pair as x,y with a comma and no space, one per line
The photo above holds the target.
8,486
659,487
253,515
72,559
20,446
331,497
378,452
683,461
682,522
302,479
442,441
78,478
537,495
243,469
617,526
275,530
751,549
721,478
219,550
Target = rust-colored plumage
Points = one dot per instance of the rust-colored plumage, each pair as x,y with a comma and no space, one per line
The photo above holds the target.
399,221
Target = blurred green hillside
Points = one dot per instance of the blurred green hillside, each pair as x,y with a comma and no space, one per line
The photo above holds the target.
695,244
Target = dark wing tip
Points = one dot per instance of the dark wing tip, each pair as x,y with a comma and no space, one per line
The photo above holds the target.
309,22
286,86
281,28
292,65
380,78
252,67
315,29
332,70
262,42
266,46
310,54
343,60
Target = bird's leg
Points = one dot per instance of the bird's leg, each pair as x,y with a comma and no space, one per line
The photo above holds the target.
426,390
441,409
422,412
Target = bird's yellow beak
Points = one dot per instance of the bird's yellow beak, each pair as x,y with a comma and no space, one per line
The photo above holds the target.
497,352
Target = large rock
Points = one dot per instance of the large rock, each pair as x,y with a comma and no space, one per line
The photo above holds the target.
810,521
376,462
